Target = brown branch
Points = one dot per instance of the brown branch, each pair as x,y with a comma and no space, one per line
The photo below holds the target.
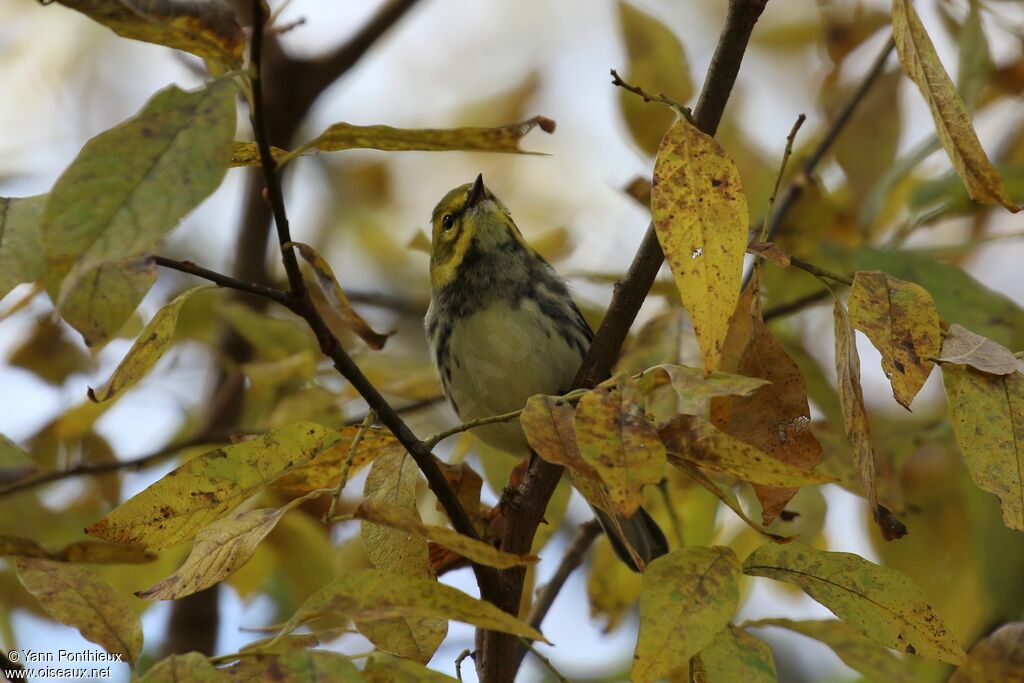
300,303
820,272
795,305
497,662
796,186
222,280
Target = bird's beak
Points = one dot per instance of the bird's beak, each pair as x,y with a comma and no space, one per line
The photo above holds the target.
477,193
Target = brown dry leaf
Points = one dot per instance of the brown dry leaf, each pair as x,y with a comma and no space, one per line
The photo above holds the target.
466,483
657,63
952,122
615,438
326,467
393,479
963,347
776,418
701,217
856,424
987,412
770,251
996,658
901,321
337,302
694,440
221,549
76,596
400,519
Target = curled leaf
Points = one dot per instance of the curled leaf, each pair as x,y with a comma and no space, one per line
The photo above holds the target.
963,347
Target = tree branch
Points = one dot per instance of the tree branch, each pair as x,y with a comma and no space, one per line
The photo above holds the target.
497,662
222,280
573,558
300,303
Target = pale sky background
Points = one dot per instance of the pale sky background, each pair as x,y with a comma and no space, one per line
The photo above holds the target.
66,79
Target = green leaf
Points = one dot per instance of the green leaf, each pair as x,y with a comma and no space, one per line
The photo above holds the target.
902,322
688,596
857,652
221,549
381,668
987,412
205,488
393,478
958,296
205,28
700,215
376,594
880,602
187,668
128,187
658,64
21,259
148,348
299,666
952,122
735,655
76,596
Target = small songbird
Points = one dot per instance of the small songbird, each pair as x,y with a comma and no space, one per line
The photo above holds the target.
502,327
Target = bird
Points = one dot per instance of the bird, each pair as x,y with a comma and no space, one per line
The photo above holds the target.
502,326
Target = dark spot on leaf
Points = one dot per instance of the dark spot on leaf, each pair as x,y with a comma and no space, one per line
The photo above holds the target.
148,132
911,650
715,182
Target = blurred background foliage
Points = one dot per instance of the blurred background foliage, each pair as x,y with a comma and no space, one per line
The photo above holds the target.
884,198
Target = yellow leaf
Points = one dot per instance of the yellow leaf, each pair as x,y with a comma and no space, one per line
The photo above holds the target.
325,468
21,257
855,421
204,28
657,63
688,596
187,668
615,438
952,122
150,346
694,386
857,652
381,668
548,424
176,507
695,440
880,602
700,214
385,514
220,550
337,302
92,552
900,319
76,596
374,594
735,655
996,658
963,347
342,136
393,478
15,463
987,412
248,154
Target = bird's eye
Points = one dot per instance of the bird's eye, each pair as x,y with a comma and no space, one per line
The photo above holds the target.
448,222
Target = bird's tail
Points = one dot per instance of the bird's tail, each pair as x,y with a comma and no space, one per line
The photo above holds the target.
637,540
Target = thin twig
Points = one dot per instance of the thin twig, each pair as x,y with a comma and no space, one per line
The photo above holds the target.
302,305
796,305
222,280
91,468
673,104
353,447
573,558
434,439
677,524
458,663
820,272
763,235
408,408
273,182
795,188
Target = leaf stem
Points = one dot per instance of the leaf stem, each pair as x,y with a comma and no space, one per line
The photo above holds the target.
356,440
